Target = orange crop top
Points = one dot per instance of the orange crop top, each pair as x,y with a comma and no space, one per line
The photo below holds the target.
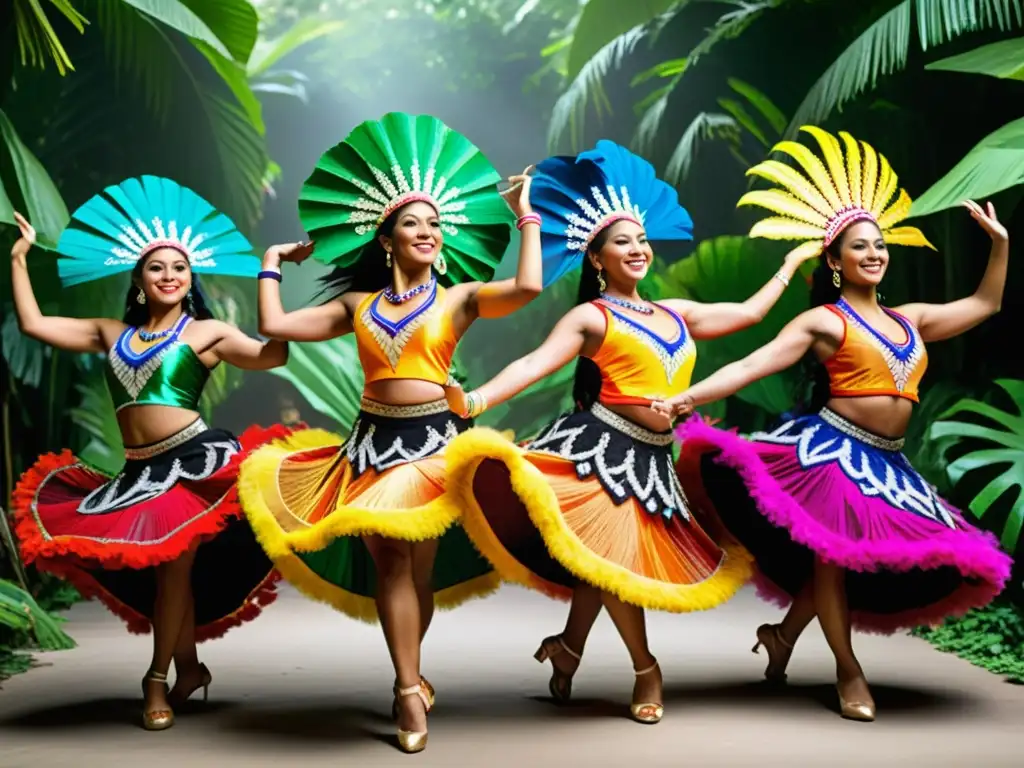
637,365
869,363
419,346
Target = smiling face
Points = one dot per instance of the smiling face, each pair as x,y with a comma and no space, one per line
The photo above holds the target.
625,255
863,256
416,238
165,278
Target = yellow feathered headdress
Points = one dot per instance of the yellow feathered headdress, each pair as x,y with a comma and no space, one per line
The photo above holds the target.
820,203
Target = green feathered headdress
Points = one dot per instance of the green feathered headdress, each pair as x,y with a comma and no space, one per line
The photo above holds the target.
387,163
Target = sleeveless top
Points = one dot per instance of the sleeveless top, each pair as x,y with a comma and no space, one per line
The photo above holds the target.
167,373
637,365
419,346
869,363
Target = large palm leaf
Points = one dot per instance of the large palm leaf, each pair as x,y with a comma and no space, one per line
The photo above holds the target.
328,375
883,47
29,186
1003,447
97,433
37,40
20,612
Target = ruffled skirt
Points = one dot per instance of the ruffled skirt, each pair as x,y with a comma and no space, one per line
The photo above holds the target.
105,534
820,486
595,498
312,496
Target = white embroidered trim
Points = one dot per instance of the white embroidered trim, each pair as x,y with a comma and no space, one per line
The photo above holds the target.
362,453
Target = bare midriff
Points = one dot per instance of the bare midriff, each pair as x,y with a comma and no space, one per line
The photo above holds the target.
883,415
143,425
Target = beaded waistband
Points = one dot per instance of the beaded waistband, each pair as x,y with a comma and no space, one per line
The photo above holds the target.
194,429
628,428
403,411
836,421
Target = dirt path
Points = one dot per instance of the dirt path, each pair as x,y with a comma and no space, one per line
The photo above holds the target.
304,686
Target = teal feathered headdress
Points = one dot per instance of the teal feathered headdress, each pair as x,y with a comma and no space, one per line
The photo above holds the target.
387,163
113,230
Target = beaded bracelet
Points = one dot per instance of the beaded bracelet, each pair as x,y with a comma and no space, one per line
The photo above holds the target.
269,274
529,218
475,404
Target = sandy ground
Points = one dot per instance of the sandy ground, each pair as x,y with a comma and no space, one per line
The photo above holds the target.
305,686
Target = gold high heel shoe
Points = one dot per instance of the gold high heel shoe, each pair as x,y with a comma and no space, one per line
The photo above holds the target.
648,713
427,689
864,711
560,684
770,636
205,679
413,741
157,719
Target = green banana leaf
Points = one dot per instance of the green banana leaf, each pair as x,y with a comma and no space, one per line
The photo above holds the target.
21,613
1002,445
328,375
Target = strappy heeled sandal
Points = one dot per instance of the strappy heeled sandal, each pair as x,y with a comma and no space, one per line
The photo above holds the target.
770,636
560,684
648,713
156,719
413,741
205,679
427,689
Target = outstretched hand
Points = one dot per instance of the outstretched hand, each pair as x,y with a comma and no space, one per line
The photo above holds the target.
986,218
293,252
673,408
28,237
518,194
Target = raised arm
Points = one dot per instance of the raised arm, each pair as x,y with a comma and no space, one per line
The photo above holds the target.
936,322
69,333
233,347
709,321
503,297
784,350
565,342
327,321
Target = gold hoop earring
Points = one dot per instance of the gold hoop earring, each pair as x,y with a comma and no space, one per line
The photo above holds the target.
602,286
387,259
837,281
141,298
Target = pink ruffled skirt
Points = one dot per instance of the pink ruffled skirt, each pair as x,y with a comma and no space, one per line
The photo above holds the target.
819,486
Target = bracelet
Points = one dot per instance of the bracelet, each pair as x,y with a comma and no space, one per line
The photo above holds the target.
475,404
782,278
530,218
269,274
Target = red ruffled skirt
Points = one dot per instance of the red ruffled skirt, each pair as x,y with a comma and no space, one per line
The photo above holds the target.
106,534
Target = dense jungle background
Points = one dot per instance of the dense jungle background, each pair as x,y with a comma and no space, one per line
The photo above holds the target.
237,98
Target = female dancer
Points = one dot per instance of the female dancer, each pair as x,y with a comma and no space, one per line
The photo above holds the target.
162,543
838,521
401,205
592,509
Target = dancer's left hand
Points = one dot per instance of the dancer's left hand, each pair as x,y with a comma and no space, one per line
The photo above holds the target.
673,408
456,397
986,218
518,194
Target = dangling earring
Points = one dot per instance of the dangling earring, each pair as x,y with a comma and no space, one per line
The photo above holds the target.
837,281
602,286
141,298
190,305
441,264
387,260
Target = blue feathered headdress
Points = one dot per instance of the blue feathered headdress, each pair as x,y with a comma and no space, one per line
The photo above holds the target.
111,231
579,196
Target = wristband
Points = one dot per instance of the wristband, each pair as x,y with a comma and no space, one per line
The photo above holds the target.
781,278
475,404
269,274
529,218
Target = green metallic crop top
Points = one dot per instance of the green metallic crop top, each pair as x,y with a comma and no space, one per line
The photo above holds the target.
168,373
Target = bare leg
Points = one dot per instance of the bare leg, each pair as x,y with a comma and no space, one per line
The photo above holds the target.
834,617
189,674
423,555
399,610
172,601
629,621
564,651
779,639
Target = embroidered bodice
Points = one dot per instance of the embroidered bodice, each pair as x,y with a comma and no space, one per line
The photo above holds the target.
167,373
637,364
419,346
869,363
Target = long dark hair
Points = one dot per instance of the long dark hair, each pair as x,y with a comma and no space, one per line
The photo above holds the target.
136,314
814,377
586,385
370,273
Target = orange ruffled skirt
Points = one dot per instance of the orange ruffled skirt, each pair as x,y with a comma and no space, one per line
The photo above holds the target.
593,499
313,496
